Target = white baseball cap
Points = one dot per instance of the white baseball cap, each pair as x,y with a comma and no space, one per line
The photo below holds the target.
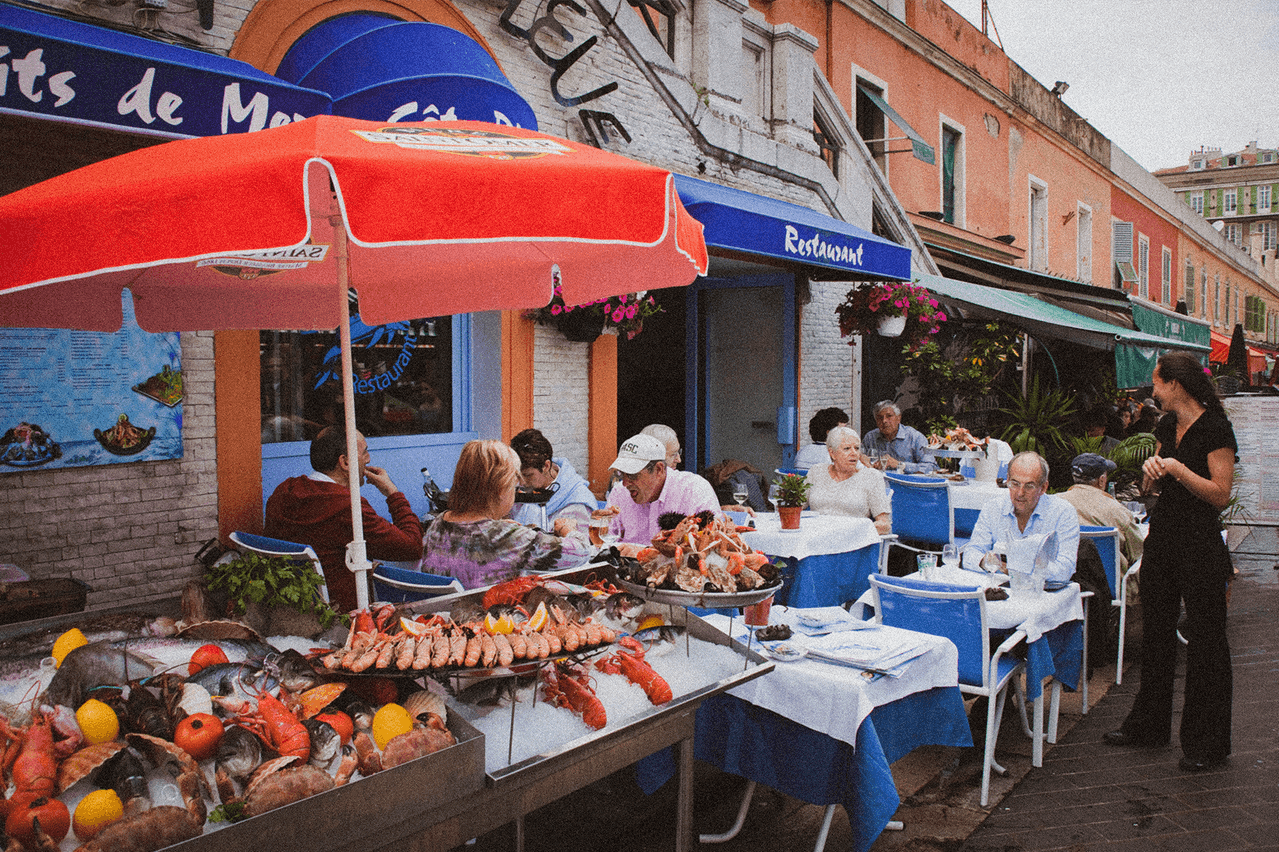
637,452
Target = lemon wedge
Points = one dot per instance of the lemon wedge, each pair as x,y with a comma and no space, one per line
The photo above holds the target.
539,617
411,627
502,624
650,621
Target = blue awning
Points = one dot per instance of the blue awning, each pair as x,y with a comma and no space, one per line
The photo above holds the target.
746,222
69,71
385,69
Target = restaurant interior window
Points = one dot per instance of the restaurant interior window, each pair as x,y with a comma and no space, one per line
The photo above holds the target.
403,379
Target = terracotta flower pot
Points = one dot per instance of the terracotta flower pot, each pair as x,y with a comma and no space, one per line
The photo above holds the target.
789,516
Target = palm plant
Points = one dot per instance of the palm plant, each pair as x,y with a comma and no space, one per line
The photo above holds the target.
1036,420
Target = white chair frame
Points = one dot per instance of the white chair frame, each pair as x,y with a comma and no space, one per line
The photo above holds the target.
992,688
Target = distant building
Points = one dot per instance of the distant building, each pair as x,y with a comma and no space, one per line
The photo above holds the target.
1236,192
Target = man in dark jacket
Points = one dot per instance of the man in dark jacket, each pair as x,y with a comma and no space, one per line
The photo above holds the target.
316,509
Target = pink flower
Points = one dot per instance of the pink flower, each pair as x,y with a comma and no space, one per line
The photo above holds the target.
932,303
555,310
631,311
619,315
941,316
568,308
622,298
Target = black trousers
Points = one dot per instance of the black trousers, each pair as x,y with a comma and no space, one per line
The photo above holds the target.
1194,572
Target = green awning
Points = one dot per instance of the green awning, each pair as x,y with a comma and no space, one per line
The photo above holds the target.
1154,319
1135,351
921,149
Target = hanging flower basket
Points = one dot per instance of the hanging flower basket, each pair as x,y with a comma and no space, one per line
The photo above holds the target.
583,323
892,326
891,309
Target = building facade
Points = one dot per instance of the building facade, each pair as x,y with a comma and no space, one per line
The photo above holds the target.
709,90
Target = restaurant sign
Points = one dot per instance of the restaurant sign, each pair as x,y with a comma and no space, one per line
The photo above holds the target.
69,71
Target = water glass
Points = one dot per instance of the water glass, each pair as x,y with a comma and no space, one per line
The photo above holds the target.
740,494
950,555
925,563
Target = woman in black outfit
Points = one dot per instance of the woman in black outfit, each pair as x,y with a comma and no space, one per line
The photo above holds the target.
1186,560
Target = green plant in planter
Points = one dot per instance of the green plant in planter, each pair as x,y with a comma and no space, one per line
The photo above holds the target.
1036,420
272,581
792,490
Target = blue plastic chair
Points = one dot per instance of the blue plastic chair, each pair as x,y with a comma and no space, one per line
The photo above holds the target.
923,518
265,546
1108,542
959,614
400,585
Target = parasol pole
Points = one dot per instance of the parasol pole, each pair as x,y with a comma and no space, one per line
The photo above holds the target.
357,559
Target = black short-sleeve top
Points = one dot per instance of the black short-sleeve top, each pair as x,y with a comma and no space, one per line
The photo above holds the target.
1179,512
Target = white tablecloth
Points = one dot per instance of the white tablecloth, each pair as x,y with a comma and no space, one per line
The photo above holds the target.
817,535
835,699
1036,613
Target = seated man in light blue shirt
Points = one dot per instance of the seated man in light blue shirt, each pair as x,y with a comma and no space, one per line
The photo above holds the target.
1026,510
898,447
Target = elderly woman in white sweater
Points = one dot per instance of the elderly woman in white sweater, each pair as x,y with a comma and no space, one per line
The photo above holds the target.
846,486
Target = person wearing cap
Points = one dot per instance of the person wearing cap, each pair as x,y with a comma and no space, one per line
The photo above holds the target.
1095,507
1027,509
649,489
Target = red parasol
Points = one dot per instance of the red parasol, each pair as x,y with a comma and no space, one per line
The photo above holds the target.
242,231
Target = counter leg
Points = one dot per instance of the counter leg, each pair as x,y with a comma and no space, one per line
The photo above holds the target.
684,804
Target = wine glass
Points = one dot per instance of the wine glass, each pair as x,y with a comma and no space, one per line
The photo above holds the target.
950,555
740,493
611,535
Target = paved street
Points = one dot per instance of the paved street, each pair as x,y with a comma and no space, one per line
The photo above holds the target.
1087,797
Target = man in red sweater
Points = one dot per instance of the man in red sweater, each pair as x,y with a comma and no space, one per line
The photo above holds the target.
316,509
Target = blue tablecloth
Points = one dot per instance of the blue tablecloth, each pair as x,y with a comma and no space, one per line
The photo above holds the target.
829,579
762,746
1059,653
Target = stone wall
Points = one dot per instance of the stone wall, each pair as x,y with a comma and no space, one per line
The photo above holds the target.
129,530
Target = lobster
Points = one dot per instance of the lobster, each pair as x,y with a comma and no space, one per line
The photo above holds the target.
277,727
637,671
568,688
32,756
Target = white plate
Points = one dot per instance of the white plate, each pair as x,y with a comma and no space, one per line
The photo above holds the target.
787,651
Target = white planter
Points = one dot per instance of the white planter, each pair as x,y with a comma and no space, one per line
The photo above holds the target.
892,326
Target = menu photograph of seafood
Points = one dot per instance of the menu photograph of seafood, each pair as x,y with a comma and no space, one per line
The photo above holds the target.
129,733
80,398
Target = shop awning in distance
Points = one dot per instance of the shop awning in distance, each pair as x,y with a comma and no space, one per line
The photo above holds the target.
385,69
1135,351
744,222
68,71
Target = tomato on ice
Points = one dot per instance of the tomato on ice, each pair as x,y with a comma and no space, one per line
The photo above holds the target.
206,655
339,722
376,690
55,820
198,735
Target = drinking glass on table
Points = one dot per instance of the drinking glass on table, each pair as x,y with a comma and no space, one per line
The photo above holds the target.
950,555
610,535
740,493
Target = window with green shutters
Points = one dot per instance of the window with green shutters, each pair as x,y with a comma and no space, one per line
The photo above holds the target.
1189,295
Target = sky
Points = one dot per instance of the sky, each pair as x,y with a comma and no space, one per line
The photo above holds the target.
1158,78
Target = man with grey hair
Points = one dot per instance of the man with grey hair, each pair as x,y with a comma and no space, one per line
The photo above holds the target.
1097,508
898,447
1026,509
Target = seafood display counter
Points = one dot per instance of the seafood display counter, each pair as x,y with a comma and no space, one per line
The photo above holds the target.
447,797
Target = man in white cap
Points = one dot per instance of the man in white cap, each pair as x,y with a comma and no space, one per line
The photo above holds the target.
649,489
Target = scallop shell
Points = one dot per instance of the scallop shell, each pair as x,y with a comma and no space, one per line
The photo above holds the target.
84,761
221,629
424,701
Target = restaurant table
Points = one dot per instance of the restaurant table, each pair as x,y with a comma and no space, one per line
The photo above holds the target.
1053,624
824,732
823,563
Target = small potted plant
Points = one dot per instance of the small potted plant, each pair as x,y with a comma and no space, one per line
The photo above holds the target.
790,496
891,309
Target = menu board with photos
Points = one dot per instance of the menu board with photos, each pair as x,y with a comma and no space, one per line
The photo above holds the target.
79,398
1256,423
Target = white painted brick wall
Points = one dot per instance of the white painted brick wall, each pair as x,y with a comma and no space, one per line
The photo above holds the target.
826,359
561,393
129,530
